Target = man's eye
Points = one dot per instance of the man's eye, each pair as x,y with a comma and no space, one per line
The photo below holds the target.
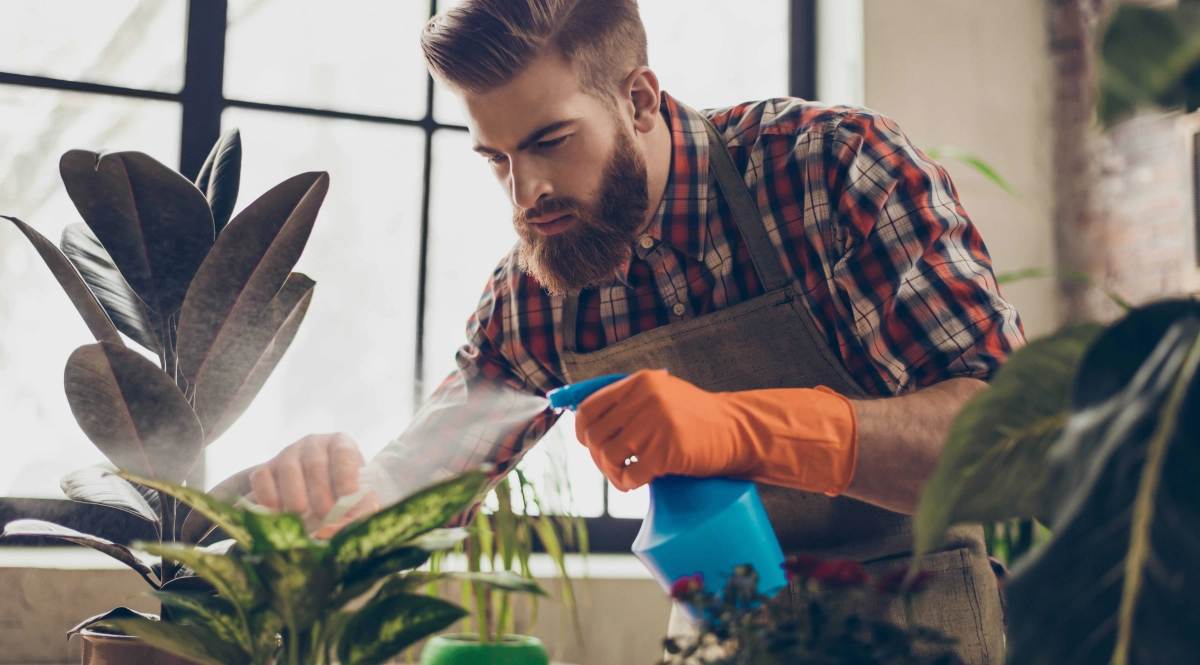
551,143
496,158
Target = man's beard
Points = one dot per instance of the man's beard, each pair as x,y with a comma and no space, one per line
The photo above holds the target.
590,251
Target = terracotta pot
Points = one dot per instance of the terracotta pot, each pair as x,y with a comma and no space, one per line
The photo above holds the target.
463,649
101,649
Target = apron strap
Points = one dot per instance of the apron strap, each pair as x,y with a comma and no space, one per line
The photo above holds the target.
767,265
745,212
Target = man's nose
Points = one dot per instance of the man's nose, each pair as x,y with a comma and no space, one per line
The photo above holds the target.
528,185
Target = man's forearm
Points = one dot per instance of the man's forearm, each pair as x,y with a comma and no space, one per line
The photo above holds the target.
900,440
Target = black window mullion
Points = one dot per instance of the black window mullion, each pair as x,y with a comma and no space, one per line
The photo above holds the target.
430,125
203,83
802,49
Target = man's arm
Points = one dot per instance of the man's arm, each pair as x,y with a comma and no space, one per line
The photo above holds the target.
900,440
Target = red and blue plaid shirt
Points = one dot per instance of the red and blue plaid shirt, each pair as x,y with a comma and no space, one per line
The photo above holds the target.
890,267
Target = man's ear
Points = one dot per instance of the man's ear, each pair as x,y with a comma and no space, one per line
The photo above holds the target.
641,90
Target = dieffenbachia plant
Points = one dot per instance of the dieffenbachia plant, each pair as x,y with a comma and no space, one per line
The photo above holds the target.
1095,432
159,261
284,597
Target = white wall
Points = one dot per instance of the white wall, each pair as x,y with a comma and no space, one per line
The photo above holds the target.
977,75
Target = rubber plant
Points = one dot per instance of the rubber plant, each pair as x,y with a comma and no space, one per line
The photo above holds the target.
284,597
212,299
1095,432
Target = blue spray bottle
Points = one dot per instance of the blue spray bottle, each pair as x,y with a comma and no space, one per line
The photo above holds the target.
698,525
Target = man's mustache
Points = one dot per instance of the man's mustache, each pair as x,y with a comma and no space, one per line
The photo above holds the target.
549,207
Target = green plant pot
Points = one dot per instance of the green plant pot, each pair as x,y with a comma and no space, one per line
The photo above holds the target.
463,649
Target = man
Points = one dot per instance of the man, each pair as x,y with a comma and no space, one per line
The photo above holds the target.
819,299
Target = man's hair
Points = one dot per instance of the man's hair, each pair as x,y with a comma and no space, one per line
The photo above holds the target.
482,44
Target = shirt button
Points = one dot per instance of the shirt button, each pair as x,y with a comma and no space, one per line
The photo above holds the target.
679,309
646,242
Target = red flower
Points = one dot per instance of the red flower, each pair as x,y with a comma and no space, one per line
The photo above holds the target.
841,573
893,583
687,586
800,566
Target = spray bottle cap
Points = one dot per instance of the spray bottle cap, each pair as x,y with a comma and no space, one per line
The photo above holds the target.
569,396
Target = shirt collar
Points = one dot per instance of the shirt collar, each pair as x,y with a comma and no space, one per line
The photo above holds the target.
682,217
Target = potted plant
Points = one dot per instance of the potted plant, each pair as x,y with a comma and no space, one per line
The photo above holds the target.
1094,432
739,626
158,260
283,597
501,540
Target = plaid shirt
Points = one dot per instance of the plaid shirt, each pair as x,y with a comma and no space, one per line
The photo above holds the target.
890,267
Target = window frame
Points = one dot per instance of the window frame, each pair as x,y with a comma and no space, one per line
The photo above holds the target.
203,102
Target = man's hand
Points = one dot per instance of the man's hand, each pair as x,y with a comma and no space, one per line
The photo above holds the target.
309,476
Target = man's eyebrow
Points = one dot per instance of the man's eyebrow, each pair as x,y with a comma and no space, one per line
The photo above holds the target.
531,139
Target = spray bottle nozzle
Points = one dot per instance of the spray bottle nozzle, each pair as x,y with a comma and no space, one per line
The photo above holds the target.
569,396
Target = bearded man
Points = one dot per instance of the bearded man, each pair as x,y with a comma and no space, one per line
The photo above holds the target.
821,302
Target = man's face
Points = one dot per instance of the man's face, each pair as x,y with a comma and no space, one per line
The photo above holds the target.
575,177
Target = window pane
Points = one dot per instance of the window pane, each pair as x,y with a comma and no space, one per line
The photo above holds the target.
39,327
362,56
350,367
129,43
718,54
633,504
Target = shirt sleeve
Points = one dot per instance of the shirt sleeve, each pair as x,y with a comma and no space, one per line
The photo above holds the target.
483,413
910,279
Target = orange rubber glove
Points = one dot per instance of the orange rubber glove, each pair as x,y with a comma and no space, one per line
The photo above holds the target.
802,438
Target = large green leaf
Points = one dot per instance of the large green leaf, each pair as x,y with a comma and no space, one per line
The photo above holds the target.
155,224
1150,57
216,614
127,311
239,367
505,580
68,278
992,467
1118,582
189,641
102,486
115,613
231,519
133,412
40,529
299,583
389,529
226,572
247,268
277,531
380,630
196,527
221,175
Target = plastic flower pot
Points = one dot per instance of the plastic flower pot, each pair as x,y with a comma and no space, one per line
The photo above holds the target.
464,649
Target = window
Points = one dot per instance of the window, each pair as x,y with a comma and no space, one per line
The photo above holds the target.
411,228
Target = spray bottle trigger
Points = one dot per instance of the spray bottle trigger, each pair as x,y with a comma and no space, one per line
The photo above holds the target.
569,396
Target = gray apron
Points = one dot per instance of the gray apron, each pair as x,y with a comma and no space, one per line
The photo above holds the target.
772,342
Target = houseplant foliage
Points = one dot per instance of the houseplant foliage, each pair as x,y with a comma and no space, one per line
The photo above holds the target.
739,626
284,597
1151,57
213,300
1100,441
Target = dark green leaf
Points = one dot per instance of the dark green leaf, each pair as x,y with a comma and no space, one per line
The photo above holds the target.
226,572
277,531
50,530
1118,581
155,224
221,175
390,529
992,467
505,580
381,630
127,311
188,641
68,278
118,613
1150,57
232,520
247,355
365,577
211,612
133,412
247,268
102,486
